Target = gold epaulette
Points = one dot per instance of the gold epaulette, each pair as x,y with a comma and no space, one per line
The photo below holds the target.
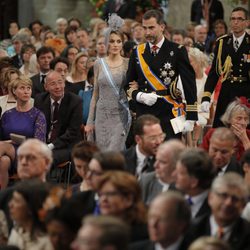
191,108
207,94
221,37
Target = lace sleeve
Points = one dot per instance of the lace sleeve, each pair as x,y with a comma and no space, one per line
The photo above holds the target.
95,96
40,127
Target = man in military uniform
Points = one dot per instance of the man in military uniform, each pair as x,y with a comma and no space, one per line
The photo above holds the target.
232,64
155,67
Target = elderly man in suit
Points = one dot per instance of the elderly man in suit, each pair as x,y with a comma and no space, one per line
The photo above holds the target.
63,112
168,222
162,178
148,136
227,199
44,56
221,151
194,174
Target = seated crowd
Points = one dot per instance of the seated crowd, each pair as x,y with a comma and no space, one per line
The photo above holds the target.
157,193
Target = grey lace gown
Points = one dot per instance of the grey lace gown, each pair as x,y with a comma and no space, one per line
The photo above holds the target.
109,117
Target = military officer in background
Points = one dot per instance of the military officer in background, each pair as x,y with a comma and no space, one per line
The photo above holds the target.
155,67
232,64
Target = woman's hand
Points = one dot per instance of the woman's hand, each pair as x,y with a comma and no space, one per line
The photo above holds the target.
89,129
134,85
241,135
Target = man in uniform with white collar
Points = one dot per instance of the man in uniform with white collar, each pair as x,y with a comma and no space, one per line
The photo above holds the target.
231,64
155,67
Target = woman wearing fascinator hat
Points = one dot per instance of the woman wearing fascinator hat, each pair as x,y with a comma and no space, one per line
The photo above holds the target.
109,116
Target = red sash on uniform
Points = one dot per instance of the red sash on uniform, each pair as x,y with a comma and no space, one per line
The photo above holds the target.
156,83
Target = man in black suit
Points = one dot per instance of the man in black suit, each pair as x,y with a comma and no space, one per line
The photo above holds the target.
63,112
162,178
227,199
221,151
231,64
168,221
148,136
194,175
44,56
123,8
213,10
155,67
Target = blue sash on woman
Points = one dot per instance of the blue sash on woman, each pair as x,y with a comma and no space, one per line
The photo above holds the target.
122,101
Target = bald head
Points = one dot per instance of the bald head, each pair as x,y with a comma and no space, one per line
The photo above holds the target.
166,159
54,84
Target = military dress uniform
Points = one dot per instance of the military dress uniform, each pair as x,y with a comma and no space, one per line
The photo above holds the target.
233,66
170,62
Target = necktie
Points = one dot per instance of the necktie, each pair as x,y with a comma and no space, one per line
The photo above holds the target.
236,44
189,201
146,164
54,122
154,49
43,79
220,233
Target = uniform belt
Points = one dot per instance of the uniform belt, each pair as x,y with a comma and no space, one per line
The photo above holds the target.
238,79
162,92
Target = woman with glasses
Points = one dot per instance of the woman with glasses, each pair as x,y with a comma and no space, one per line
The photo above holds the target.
120,196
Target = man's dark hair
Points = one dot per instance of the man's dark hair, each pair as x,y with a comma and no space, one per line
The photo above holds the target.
178,32
154,13
57,60
84,150
35,22
198,164
142,121
44,50
243,10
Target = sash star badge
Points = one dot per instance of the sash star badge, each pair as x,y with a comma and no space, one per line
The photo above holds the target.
167,66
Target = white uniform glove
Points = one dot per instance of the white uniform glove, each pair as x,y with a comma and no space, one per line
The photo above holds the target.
188,126
146,98
202,121
205,107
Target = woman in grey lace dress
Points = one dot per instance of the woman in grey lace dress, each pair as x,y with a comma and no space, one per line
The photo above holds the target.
109,115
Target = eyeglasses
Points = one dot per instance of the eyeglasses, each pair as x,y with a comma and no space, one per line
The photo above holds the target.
154,138
225,196
109,194
94,173
238,19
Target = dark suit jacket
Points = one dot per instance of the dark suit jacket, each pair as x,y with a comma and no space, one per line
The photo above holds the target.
70,118
126,10
17,61
240,236
234,166
149,245
215,12
151,187
172,59
37,87
204,210
131,161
